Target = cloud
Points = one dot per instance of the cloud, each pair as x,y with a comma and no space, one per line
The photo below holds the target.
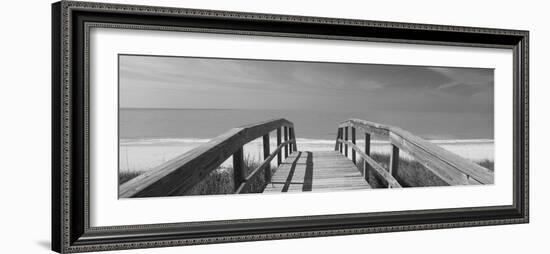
231,83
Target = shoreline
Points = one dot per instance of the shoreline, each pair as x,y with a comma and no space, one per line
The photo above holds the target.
145,154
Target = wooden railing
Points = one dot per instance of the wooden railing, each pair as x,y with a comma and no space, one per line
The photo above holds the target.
440,167
177,176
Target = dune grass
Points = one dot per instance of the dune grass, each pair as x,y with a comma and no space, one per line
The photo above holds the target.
376,181
383,159
219,181
407,165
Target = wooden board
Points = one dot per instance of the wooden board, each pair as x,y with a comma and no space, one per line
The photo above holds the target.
179,175
316,171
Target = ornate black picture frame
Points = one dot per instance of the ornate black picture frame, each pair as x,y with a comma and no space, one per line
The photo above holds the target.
71,231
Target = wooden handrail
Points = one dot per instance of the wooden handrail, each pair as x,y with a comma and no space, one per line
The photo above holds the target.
177,176
392,183
450,168
262,167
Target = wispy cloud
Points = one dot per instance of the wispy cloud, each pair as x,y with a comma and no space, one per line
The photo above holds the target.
182,82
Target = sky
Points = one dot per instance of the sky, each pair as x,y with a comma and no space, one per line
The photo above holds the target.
180,82
448,95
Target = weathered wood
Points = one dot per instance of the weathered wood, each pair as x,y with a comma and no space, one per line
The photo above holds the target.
321,171
390,180
279,158
293,138
291,145
239,170
265,164
266,161
180,174
450,167
469,168
308,176
442,167
286,139
368,127
290,174
446,172
346,139
290,137
367,152
337,144
394,160
353,141
341,146
267,174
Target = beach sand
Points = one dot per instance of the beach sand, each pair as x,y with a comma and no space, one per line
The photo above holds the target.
143,155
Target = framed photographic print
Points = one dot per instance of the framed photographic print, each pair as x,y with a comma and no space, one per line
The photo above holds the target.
181,126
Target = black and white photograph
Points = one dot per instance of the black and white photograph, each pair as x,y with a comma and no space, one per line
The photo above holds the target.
179,124
208,126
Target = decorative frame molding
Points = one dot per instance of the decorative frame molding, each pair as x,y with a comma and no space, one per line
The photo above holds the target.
71,22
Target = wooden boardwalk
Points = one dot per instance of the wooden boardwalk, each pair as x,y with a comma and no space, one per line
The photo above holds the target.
316,171
305,171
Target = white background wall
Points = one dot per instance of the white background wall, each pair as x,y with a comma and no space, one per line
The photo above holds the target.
25,125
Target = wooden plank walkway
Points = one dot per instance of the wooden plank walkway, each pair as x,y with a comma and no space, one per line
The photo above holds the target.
316,171
305,171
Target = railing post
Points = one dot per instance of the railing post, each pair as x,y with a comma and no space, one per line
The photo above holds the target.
293,137
337,144
346,139
286,139
341,146
353,141
279,154
291,145
267,173
289,138
394,161
366,166
239,170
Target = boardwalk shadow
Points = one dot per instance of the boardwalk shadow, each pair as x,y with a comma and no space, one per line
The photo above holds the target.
291,173
308,177
327,170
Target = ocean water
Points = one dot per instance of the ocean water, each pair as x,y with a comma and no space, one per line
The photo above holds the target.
150,137
209,123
